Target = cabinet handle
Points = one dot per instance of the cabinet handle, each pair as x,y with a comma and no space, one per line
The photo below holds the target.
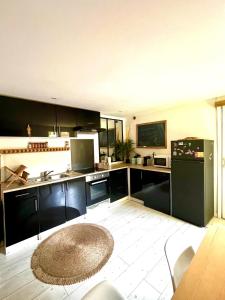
62,185
21,195
59,130
97,182
36,206
67,186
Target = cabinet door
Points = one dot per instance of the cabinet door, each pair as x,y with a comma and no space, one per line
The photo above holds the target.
66,120
21,219
135,182
41,117
1,222
75,198
51,205
16,114
87,118
156,190
118,184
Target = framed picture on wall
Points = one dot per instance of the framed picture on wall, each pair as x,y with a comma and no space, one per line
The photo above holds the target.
152,135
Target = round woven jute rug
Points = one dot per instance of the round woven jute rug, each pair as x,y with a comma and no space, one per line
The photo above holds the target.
72,254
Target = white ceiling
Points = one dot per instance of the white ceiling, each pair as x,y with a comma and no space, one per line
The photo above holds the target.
116,56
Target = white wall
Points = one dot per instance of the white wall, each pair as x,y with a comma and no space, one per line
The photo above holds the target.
58,161
198,120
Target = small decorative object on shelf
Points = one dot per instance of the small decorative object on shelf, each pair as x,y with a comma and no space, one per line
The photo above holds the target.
19,174
28,130
37,145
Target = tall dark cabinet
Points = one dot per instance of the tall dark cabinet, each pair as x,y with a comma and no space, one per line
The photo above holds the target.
192,180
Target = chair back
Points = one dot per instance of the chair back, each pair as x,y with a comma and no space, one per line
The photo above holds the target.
103,291
179,253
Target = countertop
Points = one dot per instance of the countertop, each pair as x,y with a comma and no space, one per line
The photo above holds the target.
73,175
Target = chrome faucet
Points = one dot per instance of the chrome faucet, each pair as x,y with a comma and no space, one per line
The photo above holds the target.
45,174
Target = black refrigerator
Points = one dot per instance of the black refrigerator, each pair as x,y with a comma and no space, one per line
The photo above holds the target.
192,180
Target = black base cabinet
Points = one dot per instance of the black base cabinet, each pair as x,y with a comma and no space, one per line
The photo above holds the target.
52,210
135,181
21,217
151,187
31,211
75,198
118,184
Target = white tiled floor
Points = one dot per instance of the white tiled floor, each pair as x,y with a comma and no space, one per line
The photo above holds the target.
137,267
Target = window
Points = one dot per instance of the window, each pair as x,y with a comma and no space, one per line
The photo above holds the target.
108,138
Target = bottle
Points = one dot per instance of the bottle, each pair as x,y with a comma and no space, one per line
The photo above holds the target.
109,161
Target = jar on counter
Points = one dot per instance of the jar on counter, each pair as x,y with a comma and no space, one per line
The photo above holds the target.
140,160
133,160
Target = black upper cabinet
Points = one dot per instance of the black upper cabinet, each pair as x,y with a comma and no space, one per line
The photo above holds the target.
42,118
21,216
87,119
66,120
118,184
17,114
51,205
75,198
71,119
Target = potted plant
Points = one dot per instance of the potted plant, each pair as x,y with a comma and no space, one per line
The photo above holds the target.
128,149
124,149
119,150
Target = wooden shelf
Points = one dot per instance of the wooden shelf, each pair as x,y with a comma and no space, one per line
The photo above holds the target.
26,150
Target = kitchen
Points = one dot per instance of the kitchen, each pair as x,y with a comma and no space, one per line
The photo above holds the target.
96,58
11,225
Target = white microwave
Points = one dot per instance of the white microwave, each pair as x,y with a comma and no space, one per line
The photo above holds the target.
162,161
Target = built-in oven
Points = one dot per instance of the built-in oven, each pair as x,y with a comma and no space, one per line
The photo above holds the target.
97,188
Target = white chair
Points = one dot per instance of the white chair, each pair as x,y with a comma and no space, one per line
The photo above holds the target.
103,291
179,253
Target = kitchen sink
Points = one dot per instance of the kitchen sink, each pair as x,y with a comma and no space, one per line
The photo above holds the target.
57,176
50,177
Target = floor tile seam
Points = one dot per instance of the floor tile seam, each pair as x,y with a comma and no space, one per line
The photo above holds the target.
10,278
134,242
165,288
155,264
6,259
123,261
10,266
160,293
152,286
19,288
135,288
